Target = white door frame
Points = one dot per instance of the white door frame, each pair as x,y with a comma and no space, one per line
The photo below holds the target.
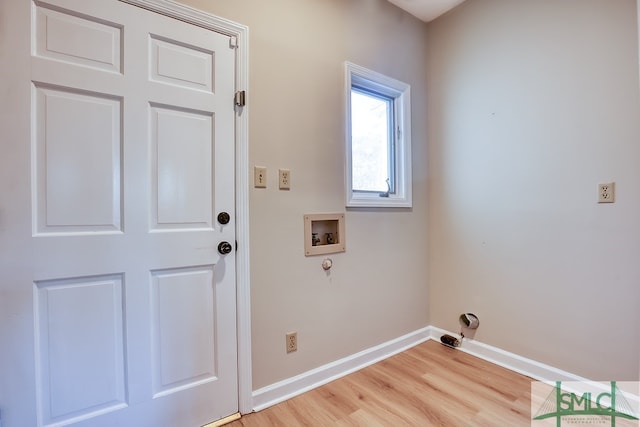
240,35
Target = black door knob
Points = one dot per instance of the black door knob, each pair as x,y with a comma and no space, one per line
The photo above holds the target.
224,248
223,218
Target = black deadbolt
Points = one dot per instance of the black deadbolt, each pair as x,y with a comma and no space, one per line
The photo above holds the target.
223,218
224,248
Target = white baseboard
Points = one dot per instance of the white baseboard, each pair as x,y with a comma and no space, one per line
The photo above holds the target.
522,365
291,387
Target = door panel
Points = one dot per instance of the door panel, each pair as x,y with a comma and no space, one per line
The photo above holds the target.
80,346
175,63
184,330
115,307
63,202
183,175
56,36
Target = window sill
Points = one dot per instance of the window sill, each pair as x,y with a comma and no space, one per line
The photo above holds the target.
375,201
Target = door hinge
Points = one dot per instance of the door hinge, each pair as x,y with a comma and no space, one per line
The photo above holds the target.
233,42
240,98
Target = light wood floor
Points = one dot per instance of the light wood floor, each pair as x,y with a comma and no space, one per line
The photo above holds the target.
428,385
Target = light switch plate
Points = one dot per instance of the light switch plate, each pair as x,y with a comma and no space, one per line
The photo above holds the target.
260,177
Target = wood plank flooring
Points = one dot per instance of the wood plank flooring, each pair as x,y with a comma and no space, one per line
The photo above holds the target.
428,385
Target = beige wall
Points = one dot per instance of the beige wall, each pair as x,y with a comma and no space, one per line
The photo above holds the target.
377,290
531,104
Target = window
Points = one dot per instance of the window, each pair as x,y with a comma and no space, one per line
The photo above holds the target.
378,139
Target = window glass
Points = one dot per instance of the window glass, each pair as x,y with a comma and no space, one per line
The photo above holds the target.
371,141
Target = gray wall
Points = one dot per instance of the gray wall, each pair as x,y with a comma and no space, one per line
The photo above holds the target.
531,105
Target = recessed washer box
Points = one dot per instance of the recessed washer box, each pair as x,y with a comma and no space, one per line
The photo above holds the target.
324,234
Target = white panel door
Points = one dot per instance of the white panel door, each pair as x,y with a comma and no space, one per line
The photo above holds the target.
117,155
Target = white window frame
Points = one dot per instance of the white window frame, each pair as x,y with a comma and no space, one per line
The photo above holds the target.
400,92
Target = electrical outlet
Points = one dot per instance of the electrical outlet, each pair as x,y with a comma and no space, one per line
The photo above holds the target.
606,192
260,177
292,342
284,179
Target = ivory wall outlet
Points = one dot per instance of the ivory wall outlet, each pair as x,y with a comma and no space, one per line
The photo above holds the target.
284,179
607,192
292,342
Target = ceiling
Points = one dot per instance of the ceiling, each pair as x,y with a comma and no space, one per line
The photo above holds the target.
426,10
